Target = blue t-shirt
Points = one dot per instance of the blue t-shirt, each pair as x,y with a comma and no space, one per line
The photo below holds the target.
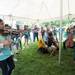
5,52
26,34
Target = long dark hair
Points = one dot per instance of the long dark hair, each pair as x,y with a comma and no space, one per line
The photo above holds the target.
1,30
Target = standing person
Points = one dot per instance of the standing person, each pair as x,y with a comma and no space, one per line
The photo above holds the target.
26,34
17,35
6,59
16,41
20,40
31,35
45,38
13,45
42,32
35,33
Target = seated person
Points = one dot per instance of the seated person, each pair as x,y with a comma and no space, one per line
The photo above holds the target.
52,44
41,46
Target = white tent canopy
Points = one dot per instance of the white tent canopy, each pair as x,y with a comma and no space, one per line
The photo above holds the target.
36,9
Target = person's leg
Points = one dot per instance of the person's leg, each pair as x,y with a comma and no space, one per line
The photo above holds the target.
27,41
64,44
34,36
20,44
53,50
49,49
37,36
10,64
4,68
45,50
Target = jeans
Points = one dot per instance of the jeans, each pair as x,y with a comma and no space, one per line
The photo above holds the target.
35,36
7,66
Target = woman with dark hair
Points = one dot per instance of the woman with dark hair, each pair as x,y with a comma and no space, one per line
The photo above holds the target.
52,45
35,32
6,58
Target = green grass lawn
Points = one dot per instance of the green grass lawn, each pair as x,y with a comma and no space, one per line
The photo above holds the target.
31,62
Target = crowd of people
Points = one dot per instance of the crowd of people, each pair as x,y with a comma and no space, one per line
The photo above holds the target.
47,38
47,42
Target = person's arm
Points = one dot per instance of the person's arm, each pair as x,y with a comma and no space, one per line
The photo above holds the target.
5,43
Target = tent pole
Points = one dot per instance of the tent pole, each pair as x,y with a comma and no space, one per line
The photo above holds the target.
60,34
68,8
69,11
